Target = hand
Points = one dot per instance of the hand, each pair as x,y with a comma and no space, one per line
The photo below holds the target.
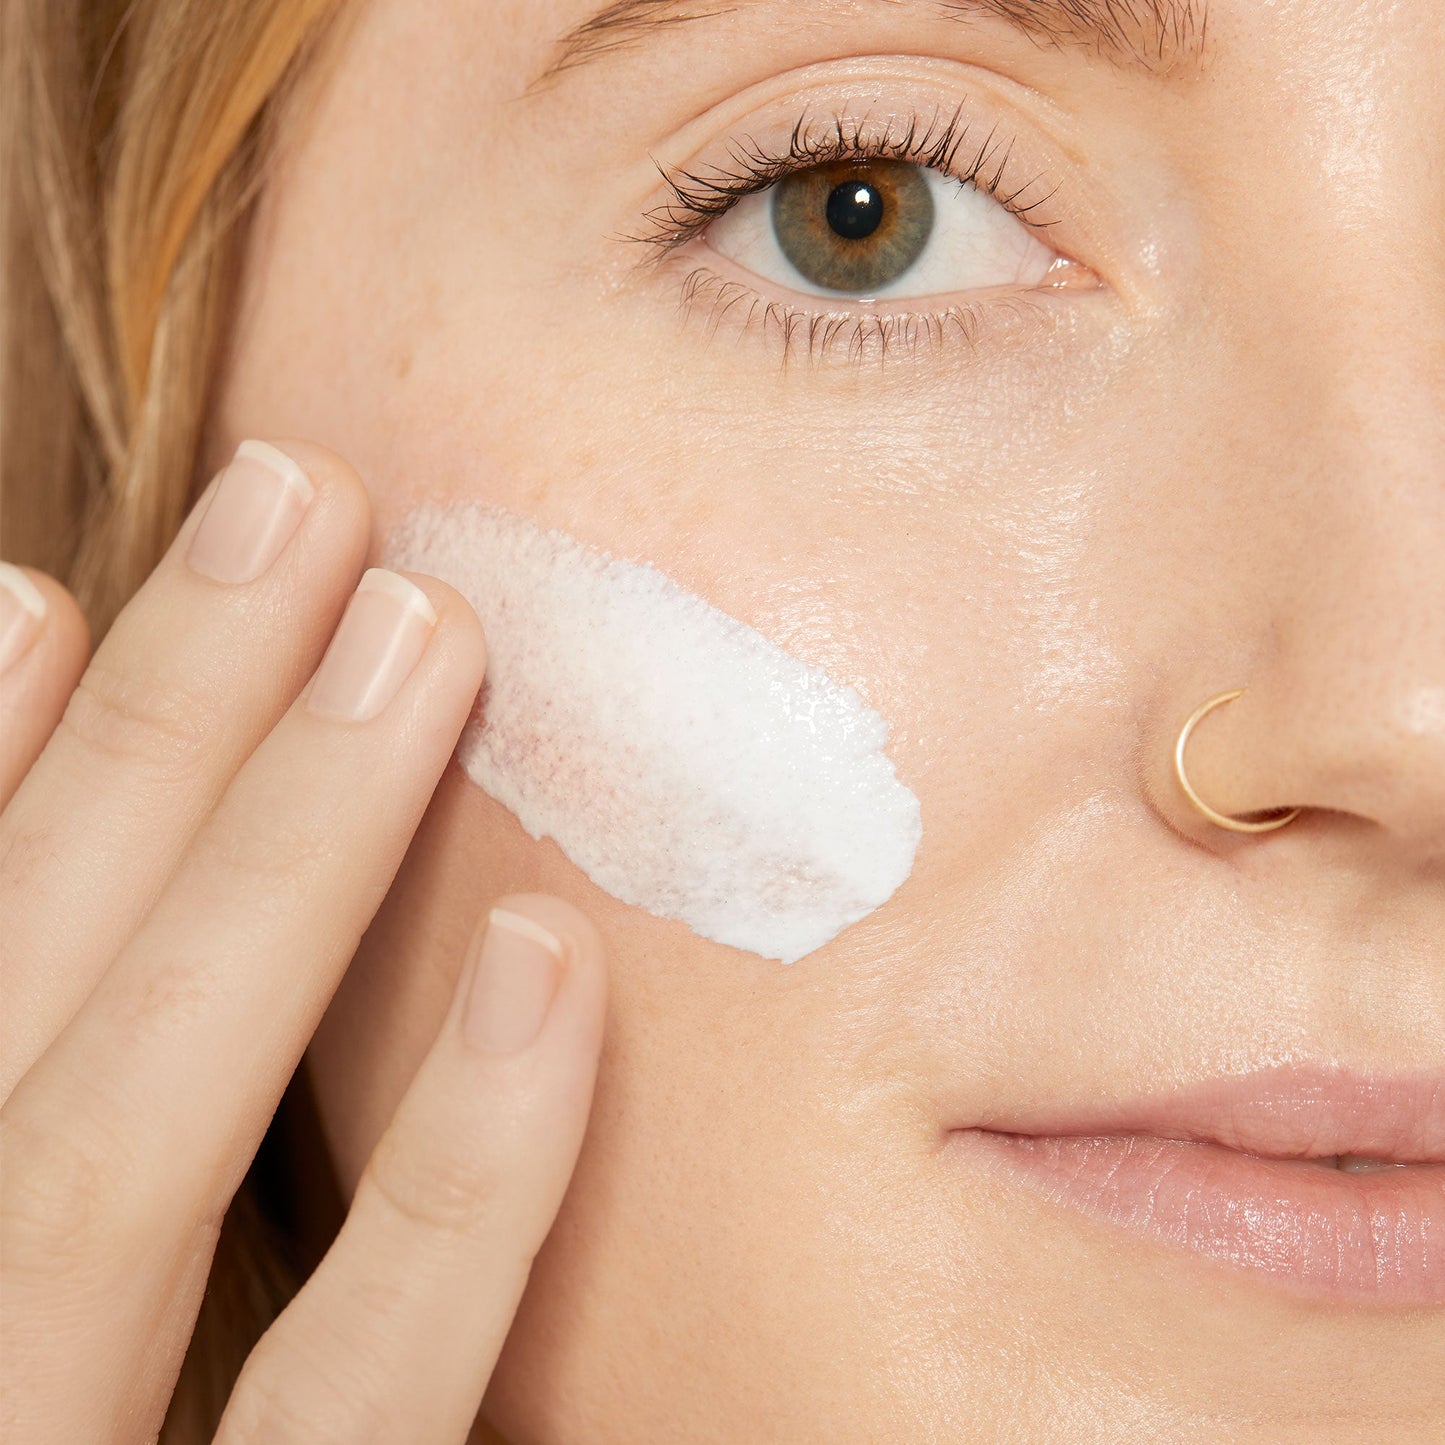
188,858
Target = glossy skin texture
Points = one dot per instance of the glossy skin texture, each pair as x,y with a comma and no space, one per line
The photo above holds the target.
1223,465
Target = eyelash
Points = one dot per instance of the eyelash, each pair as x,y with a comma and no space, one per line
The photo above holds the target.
698,198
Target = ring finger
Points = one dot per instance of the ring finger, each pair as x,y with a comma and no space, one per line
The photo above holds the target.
194,673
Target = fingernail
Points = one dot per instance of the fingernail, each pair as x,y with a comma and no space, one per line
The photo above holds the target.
22,612
515,980
383,633
257,505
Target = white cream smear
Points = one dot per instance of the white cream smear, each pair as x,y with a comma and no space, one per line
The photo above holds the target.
686,764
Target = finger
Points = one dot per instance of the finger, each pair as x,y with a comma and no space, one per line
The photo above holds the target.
194,673
396,1334
152,1101
43,646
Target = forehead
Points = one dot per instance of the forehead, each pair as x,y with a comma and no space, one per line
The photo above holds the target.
531,44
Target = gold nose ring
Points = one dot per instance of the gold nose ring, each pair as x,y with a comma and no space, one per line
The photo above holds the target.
1223,820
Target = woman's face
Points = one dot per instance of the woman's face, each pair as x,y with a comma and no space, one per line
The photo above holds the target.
1156,411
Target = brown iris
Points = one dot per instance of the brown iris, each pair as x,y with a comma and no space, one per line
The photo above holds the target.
853,226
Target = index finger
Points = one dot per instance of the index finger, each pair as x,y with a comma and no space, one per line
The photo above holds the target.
397,1333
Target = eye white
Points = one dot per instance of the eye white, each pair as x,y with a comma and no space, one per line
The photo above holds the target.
975,243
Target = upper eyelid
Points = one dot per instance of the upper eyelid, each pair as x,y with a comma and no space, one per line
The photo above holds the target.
700,197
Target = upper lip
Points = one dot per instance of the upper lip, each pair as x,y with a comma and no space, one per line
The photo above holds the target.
1290,1112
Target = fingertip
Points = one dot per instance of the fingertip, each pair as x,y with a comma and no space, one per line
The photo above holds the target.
313,535
44,646
582,999
456,619
42,629
325,470
581,942
337,501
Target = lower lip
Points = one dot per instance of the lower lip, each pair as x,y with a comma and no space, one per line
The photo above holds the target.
1376,1237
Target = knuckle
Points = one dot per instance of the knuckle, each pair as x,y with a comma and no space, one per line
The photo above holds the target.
431,1185
261,1415
61,1181
25,853
285,1395
275,855
174,996
137,720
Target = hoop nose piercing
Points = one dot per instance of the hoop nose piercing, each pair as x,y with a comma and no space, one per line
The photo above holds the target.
1222,820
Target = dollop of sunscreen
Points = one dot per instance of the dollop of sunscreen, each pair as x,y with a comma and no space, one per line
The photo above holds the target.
686,764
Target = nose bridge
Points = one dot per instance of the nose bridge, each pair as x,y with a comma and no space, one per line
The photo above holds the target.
1317,531
1346,245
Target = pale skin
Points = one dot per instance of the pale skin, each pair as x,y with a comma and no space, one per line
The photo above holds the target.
1216,459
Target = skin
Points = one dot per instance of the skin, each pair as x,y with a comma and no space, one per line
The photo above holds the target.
1216,462
134,1090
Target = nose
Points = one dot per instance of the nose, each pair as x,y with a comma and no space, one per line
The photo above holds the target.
1343,709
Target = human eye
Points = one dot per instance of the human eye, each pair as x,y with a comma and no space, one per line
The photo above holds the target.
868,227
835,235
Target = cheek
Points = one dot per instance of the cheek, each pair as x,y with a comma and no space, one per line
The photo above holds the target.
686,764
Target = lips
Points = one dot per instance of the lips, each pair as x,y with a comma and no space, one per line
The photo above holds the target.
1319,1181
1293,1112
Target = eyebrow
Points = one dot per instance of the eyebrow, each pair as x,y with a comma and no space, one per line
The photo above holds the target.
1156,36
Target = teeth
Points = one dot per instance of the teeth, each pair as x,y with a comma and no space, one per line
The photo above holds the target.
1364,1164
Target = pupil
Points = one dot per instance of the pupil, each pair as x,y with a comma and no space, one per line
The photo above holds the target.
855,210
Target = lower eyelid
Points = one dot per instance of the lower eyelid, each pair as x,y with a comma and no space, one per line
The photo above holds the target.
715,301
1064,275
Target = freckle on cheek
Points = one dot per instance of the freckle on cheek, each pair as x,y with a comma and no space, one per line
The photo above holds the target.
686,764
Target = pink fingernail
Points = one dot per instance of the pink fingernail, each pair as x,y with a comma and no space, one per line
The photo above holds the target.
22,613
515,982
258,504
383,633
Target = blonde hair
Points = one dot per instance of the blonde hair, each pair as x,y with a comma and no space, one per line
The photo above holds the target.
132,135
